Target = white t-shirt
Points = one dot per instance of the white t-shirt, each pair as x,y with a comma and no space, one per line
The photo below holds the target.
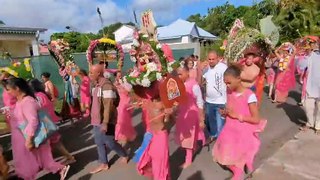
216,89
252,98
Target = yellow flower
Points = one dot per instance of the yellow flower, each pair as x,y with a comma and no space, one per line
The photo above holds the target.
107,40
10,71
27,64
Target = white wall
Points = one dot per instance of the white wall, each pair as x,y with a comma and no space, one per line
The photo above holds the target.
123,32
185,39
171,41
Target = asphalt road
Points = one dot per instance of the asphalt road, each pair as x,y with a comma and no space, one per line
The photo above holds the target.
282,125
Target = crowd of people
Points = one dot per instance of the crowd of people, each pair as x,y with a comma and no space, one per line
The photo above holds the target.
222,106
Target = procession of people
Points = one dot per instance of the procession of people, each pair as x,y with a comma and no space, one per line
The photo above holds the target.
214,100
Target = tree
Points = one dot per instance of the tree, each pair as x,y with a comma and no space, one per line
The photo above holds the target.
2,23
298,18
196,19
79,42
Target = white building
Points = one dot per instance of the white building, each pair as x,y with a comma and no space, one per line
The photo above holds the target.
180,34
124,36
20,42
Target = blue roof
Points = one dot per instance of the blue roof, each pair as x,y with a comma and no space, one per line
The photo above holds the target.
181,28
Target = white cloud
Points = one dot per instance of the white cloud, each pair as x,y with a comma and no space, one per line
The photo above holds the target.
55,15
164,10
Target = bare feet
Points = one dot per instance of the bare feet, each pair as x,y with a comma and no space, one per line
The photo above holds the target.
102,167
185,165
69,160
124,160
64,171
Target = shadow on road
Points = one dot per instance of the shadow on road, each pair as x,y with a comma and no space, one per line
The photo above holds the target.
295,113
196,176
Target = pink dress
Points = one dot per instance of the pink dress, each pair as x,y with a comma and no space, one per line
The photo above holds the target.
48,106
154,161
29,163
193,74
85,91
124,128
187,124
285,81
238,142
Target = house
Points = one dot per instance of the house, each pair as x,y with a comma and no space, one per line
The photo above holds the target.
183,32
180,34
20,41
124,36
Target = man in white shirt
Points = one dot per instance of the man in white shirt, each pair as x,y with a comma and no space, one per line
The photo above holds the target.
312,101
215,94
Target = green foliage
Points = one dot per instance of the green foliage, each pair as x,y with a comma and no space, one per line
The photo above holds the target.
79,42
2,23
298,18
294,18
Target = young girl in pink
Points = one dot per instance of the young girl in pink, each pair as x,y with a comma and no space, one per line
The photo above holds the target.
190,116
48,106
85,93
193,75
238,142
28,160
125,131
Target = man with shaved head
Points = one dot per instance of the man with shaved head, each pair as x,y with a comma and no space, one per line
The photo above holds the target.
104,117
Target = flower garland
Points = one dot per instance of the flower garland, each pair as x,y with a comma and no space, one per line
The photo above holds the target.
243,40
151,62
106,44
283,63
60,51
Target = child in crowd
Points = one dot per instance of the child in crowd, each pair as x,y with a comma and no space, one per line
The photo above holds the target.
238,142
85,93
190,120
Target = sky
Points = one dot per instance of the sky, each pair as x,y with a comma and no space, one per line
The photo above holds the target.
81,15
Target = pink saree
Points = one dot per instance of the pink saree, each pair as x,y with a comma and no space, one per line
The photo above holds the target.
285,81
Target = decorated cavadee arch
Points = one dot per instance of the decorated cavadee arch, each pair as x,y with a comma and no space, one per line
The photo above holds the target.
152,59
105,50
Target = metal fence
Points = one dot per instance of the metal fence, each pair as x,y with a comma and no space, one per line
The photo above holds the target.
46,63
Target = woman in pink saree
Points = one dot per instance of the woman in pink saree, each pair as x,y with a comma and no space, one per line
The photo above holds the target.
125,131
285,80
238,142
28,160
